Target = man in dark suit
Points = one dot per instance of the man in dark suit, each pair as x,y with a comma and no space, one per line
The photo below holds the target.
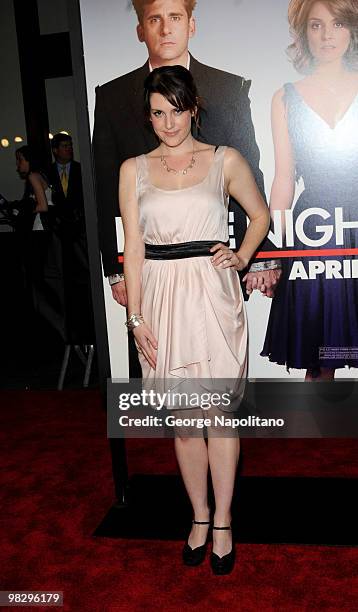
69,225
121,130
66,181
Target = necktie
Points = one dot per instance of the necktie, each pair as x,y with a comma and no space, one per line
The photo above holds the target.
64,180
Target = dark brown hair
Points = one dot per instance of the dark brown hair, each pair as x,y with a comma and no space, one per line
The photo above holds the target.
30,156
177,86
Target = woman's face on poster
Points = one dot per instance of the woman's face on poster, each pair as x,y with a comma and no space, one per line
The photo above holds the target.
328,38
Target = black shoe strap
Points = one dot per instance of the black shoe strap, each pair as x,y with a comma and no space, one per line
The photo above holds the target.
221,527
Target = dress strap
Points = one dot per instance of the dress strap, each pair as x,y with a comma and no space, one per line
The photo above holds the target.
219,153
216,173
289,93
142,173
289,88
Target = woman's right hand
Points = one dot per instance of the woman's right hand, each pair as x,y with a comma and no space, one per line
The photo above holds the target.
146,343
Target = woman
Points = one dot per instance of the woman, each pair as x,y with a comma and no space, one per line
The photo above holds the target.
185,305
37,194
32,226
315,134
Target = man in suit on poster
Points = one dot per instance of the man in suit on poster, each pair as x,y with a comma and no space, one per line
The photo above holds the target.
121,131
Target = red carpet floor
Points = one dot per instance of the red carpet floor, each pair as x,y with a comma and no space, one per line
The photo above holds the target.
56,486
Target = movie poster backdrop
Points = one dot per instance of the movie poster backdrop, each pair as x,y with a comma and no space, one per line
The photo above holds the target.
316,237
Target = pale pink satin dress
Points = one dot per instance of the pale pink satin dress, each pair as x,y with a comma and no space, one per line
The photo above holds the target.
195,311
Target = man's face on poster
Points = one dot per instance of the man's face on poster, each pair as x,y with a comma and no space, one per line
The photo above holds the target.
166,29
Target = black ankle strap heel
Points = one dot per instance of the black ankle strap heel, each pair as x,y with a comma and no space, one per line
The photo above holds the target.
222,565
195,556
221,527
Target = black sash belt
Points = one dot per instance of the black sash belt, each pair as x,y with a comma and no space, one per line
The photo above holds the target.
198,248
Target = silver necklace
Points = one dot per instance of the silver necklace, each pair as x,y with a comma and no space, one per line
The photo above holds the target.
185,171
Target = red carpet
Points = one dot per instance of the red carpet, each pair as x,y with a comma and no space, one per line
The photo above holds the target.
57,486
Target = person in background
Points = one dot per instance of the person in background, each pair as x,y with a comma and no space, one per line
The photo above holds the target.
33,222
32,212
66,180
67,193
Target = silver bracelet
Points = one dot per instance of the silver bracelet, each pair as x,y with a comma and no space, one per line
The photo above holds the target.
134,321
113,279
260,266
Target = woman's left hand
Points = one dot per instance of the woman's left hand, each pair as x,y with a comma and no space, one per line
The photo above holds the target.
225,257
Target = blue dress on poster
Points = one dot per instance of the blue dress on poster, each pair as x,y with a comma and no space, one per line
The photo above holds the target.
313,322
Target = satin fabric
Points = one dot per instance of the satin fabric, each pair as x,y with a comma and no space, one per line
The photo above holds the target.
195,311
198,248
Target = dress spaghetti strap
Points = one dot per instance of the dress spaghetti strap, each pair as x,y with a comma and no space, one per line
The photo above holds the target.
142,174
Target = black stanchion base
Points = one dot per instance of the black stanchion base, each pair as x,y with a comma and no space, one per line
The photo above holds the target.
265,510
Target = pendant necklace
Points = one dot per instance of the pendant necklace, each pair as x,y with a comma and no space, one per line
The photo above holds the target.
185,171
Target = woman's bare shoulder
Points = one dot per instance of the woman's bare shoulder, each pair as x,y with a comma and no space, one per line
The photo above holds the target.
128,167
36,178
278,96
278,104
232,155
